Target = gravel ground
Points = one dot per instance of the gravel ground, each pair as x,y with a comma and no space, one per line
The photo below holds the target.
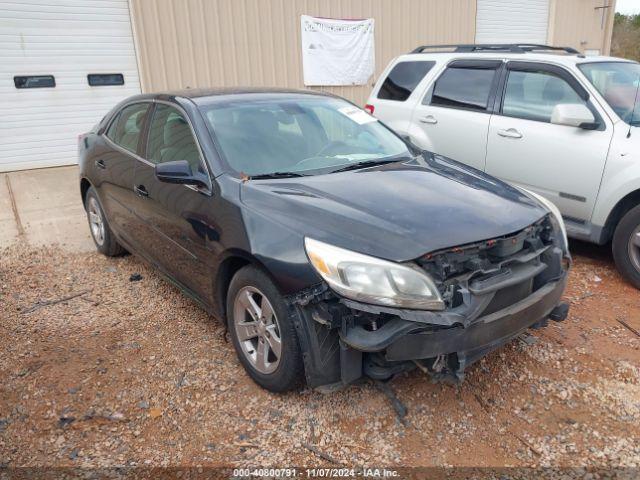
134,374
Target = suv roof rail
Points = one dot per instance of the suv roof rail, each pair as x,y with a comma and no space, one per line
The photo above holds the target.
496,47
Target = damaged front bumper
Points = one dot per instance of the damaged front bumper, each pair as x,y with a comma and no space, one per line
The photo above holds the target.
343,340
351,351
446,352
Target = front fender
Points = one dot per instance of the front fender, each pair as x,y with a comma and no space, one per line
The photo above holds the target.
281,250
621,176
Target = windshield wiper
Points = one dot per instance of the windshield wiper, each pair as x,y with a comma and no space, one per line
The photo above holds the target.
365,164
275,175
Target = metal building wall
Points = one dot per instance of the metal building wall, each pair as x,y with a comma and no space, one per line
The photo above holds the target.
200,43
582,24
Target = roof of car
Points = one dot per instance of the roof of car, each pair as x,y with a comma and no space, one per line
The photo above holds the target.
209,96
208,92
201,95
559,58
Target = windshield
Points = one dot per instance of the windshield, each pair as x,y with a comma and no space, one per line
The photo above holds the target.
617,82
299,134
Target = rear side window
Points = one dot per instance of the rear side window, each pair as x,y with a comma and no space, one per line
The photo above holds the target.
403,79
467,88
126,128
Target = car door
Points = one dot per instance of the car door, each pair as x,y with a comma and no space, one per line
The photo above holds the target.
115,165
562,163
176,220
453,117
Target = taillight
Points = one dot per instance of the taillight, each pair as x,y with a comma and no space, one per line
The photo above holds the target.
369,108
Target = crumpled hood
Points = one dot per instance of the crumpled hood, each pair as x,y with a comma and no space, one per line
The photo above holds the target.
397,211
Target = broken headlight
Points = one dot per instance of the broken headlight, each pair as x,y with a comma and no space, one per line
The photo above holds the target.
372,280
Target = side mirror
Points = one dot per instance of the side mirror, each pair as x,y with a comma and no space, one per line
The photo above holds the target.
574,115
179,172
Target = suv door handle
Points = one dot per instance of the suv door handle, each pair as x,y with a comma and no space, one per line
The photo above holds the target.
101,164
141,191
429,119
510,133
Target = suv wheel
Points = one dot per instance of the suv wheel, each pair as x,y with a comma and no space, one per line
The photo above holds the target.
263,335
626,246
100,231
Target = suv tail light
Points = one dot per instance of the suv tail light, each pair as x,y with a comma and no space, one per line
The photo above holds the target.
369,108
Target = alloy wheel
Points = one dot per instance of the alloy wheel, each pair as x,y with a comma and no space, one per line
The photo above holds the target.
257,329
96,221
634,248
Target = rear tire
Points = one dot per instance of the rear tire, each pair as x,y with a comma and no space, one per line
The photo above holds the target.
626,246
101,233
263,335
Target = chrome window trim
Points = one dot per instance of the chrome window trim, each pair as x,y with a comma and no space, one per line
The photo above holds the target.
128,152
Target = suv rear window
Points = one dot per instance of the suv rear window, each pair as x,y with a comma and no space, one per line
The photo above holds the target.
466,88
403,79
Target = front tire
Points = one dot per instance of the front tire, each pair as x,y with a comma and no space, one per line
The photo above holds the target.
263,335
101,233
626,246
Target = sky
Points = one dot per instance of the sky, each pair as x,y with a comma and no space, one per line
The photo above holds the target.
628,7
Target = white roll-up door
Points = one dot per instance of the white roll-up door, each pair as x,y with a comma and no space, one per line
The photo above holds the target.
512,21
67,40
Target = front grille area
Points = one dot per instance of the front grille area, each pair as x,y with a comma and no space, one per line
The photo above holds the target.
499,272
508,296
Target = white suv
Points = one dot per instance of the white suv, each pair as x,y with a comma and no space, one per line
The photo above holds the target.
547,119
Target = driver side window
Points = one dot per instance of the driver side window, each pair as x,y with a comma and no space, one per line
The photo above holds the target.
170,139
534,95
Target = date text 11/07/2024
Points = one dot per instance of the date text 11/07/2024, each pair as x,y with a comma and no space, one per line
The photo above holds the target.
314,473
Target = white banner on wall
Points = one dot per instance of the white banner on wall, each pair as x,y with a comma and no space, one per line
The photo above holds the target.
337,52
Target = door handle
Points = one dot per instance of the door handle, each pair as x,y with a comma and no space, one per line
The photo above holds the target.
429,119
510,133
141,191
101,164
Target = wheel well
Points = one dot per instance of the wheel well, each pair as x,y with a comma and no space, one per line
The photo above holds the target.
227,270
84,187
622,207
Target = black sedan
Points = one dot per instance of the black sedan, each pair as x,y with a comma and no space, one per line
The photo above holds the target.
332,248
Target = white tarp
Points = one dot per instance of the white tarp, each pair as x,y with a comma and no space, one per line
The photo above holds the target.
337,52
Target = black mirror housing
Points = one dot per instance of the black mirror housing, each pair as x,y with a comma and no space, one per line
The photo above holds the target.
179,172
589,125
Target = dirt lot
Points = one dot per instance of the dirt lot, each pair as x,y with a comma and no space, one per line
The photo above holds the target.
133,373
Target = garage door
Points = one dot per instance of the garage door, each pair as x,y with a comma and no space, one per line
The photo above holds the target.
63,65
513,21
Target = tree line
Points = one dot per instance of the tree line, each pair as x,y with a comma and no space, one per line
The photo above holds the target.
626,36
